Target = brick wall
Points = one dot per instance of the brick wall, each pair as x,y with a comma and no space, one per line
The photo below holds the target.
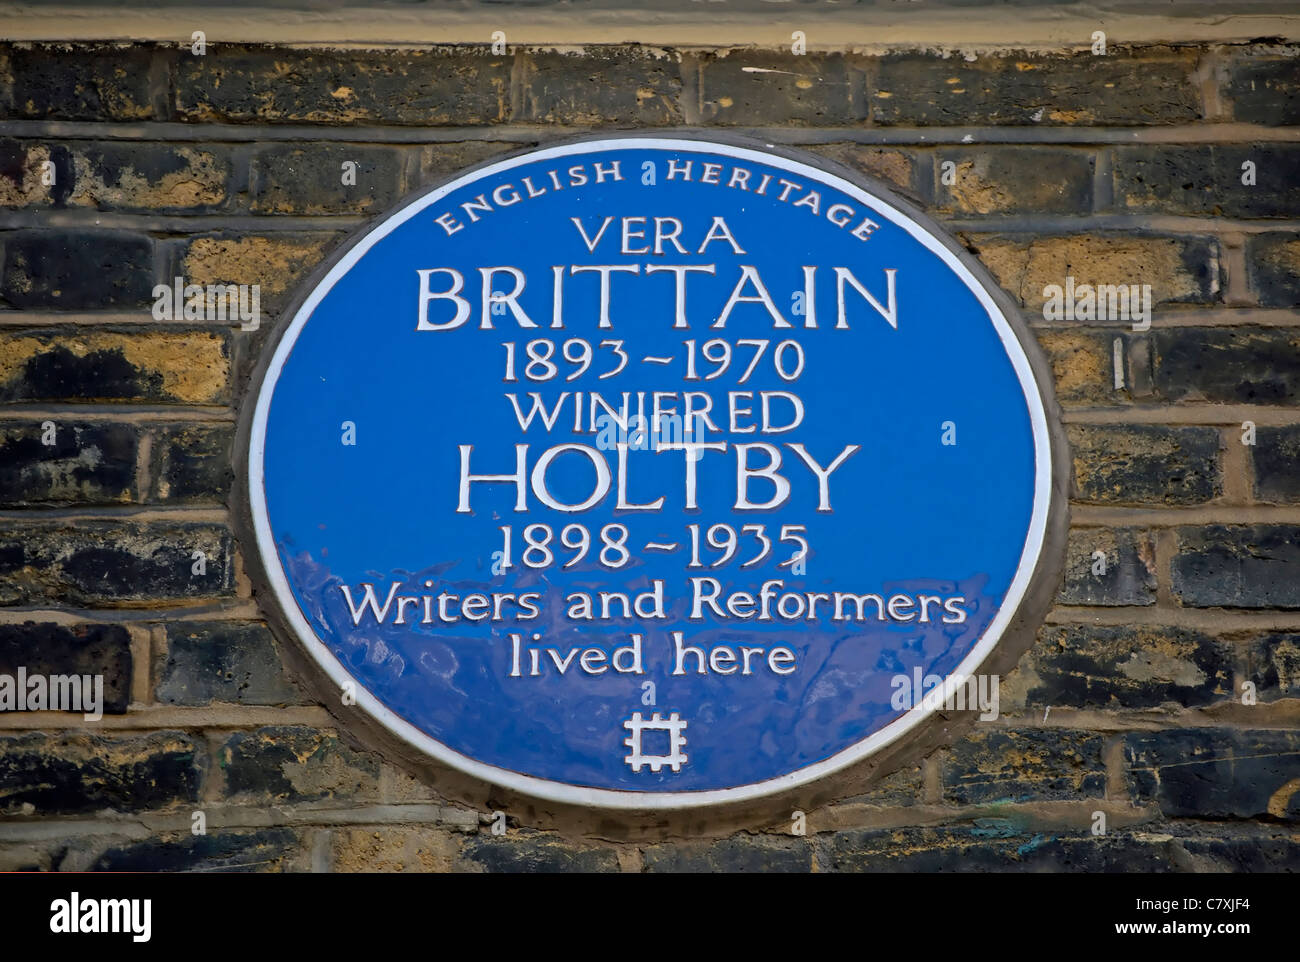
1125,168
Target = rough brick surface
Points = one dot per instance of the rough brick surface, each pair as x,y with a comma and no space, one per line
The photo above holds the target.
313,179
1009,180
1179,269
193,462
1126,88
1275,456
537,853
1180,583
441,160
1207,179
441,86
389,848
273,262
902,170
1144,463
48,462
1273,263
64,270
1106,566
763,89
216,662
88,82
49,649
1216,774
273,765
1002,845
997,845
993,766
625,85
1239,366
77,773
187,367
1264,89
1093,666
1273,665
112,562
1083,366
1238,566
145,177
267,850
732,855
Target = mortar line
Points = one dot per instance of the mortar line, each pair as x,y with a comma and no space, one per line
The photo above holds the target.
968,135
1201,619
1226,415
135,513
1093,515
143,479
1237,487
1147,223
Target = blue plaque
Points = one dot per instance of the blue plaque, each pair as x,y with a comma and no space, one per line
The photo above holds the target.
637,471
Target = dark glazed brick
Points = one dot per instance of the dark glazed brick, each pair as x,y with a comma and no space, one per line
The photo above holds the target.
1216,773
308,179
1145,464
1276,458
1273,665
1240,366
1001,766
1265,91
1246,566
81,81
51,649
1123,667
102,365
742,854
760,89
90,562
218,662
295,765
1273,265
87,463
192,462
261,851
1129,577
537,853
66,270
1206,180
1122,88
624,85
446,85
73,774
